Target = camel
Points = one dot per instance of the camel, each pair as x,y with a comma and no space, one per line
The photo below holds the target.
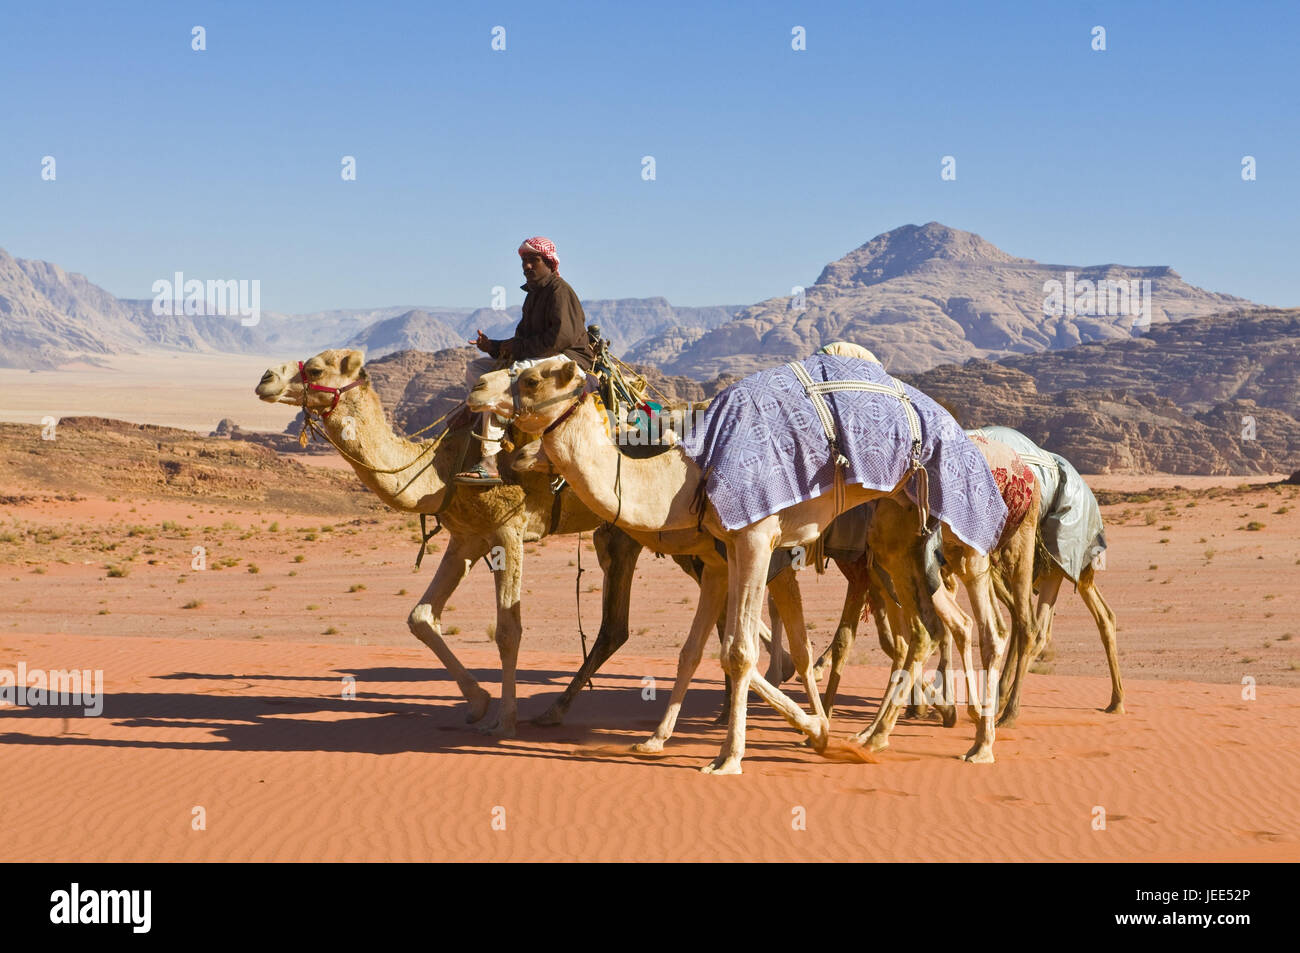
907,637
1012,560
1071,532
410,479
1048,573
666,493
497,520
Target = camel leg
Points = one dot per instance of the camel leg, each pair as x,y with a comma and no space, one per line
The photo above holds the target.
960,630
1018,559
906,619
940,692
998,577
713,593
1105,620
775,649
744,591
510,629
876,735
748,554
993,648
771,641
1049,590
617,553
856,599
919,707
786,598
425,619
944,696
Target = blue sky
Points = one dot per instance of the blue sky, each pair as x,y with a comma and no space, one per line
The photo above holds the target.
769,162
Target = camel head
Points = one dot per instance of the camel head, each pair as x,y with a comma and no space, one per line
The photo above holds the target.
323,378
537,397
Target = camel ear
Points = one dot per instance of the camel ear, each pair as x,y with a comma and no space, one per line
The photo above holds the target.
567,373
351,363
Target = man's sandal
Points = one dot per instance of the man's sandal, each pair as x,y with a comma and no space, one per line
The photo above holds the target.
477,475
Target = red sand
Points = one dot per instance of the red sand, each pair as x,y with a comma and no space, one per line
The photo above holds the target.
235,706
285,768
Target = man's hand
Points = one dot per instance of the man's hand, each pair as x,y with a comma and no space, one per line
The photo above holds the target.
483,342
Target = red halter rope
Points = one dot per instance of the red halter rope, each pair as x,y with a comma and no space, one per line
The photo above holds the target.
336,391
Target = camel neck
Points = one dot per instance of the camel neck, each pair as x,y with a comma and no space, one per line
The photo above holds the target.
359,429
647,495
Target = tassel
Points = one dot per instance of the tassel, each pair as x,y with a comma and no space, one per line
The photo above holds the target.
923,498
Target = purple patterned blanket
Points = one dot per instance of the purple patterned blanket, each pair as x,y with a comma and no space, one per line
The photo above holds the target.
763,448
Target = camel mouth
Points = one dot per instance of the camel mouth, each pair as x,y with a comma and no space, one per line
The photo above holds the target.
481,401
270,388
276,387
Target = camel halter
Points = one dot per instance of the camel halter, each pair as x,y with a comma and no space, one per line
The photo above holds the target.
336,391
580,392
310,426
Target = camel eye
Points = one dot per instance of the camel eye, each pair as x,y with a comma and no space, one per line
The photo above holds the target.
314,372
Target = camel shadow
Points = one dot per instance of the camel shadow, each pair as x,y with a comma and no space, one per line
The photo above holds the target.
491,676
603,731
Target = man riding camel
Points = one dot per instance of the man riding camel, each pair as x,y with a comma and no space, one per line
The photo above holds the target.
553,323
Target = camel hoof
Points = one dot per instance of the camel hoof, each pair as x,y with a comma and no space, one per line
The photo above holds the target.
478,706
978,755
822,736
496,730
722,766
873,742
651,746
819,672
1116,708
551,718
1008,719
948,714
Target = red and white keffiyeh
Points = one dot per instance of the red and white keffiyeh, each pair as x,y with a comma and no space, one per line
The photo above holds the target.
538,245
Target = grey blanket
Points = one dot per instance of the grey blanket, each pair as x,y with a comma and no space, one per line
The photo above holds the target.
763,449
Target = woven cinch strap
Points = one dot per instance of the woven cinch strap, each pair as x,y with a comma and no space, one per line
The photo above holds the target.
815,390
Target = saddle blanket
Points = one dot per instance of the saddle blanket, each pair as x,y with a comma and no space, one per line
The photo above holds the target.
763,448
1014,477
1069,519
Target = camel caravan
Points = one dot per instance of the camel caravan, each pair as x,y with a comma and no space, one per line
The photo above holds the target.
830,456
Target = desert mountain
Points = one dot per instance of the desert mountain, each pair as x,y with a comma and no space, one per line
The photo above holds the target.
1215,395
415,330
49,316
1210,396
920,296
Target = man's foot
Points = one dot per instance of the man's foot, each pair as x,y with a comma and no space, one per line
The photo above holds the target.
478,475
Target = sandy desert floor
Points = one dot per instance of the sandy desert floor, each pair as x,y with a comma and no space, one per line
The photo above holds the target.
226,689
